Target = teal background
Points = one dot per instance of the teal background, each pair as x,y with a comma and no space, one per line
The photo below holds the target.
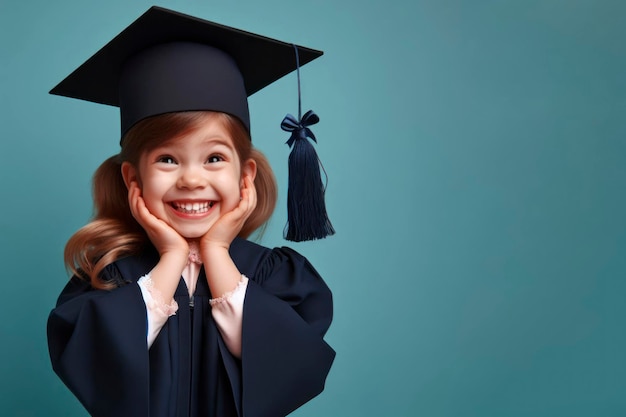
475,151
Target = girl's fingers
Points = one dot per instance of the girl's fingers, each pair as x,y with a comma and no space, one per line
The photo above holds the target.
248,202
139,210
133,195
248,196
242,209
162,236
137,206
253,195
230,224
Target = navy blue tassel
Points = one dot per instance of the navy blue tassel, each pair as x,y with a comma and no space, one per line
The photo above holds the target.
306,210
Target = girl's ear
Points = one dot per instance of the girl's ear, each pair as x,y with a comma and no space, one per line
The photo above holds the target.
129,173
248,170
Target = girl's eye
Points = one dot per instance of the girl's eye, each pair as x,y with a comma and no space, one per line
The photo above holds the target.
165,159
214,158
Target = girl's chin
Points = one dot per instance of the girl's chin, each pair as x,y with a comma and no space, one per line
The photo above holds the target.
192,233
192,236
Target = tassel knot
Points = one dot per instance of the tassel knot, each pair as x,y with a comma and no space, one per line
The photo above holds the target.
300,129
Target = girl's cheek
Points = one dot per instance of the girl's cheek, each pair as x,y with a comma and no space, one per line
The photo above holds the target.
152,202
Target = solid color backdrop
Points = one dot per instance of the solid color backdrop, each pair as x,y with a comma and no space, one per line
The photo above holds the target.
475,152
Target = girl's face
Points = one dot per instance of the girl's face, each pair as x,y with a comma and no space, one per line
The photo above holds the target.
192,180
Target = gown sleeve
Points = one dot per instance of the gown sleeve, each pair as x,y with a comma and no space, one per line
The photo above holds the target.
94,345
287,310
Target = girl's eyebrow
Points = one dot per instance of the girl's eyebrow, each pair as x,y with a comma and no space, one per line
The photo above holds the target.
210,139
220,140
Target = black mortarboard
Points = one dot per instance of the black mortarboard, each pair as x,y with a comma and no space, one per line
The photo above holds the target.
166,62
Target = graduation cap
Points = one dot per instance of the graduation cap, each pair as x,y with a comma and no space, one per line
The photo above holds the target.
167,61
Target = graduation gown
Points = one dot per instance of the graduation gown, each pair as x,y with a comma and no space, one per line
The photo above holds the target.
97,342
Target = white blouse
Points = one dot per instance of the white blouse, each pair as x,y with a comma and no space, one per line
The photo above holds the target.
227,309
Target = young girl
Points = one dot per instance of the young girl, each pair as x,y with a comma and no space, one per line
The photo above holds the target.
170,311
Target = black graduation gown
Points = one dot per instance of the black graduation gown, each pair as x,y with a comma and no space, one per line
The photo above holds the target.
97,342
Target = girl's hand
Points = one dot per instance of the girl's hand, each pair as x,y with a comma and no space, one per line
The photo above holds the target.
228,226
222,274
164,238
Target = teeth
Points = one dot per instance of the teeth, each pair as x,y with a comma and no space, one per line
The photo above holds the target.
193,208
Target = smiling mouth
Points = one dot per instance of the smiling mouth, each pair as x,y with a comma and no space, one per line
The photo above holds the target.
192,208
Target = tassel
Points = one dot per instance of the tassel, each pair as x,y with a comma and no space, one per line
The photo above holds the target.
307,218
306,210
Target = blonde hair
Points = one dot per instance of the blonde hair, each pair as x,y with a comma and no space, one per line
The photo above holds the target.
114,233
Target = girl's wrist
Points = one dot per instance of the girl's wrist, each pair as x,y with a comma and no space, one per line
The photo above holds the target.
212,251
175,257
213,245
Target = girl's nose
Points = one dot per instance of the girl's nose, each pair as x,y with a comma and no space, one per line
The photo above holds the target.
192,178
